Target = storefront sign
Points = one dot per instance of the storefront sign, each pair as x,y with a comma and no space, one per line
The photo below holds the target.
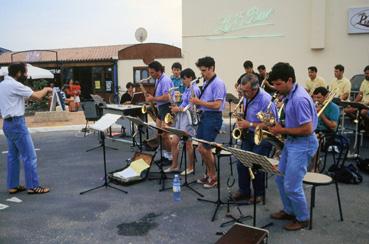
358,20
97,85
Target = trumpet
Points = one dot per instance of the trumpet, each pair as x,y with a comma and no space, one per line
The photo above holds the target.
169,117
237,132
325,103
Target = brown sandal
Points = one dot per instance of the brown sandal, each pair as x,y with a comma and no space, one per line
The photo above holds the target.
38,190
16,189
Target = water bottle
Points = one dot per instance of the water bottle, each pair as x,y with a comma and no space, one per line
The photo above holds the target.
176,188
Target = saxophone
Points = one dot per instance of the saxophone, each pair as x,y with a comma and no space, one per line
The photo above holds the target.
151,110
237,132
169,117
190,109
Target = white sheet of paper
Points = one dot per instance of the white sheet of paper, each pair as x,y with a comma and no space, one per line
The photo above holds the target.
3,206
105,122
14,199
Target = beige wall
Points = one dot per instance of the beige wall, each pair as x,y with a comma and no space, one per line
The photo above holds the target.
292,19
125,69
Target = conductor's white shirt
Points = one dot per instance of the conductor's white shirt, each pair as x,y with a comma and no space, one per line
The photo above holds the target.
12,97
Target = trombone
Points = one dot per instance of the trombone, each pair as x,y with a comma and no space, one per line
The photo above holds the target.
237,132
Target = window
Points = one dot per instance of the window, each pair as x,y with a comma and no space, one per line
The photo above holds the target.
140,73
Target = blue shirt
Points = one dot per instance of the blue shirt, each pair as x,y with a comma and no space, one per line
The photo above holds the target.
332,112
163,84
187,95
259,103
215,91
299,108
177,82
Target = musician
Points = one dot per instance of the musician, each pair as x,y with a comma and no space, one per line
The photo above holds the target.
314,80
211,103
256,100
248,67
263,79
162,85
183,123
328,120
300,145
362,97
176,78
341,85
127,96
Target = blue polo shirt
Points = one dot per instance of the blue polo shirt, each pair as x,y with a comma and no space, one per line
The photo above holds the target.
299,108
163,84
259,103
216,90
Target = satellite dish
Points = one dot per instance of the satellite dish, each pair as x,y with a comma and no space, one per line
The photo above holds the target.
141,34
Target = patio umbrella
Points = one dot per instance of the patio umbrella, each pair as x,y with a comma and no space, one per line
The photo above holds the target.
33,72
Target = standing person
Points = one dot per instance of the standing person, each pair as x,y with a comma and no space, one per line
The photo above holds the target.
255,100
77,93
263,76
249,69
211,103
127,96
341,85
162,85
300,145
20,144
183,122
177,81
314,80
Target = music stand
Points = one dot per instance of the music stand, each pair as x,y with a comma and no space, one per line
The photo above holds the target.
101,125
159,163
230,98
184,137
140,124
138,97
249,159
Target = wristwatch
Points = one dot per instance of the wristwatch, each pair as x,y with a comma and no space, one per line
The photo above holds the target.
251,124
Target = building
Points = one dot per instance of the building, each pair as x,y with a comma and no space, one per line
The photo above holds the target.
101,69
322,33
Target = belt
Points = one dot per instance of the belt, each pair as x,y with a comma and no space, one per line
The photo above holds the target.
12,118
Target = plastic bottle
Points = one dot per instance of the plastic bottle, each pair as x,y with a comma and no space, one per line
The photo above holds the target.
176,188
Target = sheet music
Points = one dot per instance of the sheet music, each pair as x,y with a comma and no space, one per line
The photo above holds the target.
105,122
133,172
139,165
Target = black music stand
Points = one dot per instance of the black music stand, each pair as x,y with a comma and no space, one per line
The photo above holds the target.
101,125
184,137
140,125
250,159
359,106
159,162
230,98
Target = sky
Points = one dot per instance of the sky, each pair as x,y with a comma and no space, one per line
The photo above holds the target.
48,24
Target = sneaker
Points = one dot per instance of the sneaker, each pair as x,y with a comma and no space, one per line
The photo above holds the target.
203,180
188,171
211,183
170,170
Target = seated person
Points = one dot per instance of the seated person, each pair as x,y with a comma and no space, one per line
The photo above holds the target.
341,85
314,80
127,96
362,97
328,120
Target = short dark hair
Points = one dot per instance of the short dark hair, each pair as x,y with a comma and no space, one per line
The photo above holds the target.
322,90
189,73
339,67
313,68
247,64
282,71
262,66
129,84
155,65
206,62
177,65
14,68
366,68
